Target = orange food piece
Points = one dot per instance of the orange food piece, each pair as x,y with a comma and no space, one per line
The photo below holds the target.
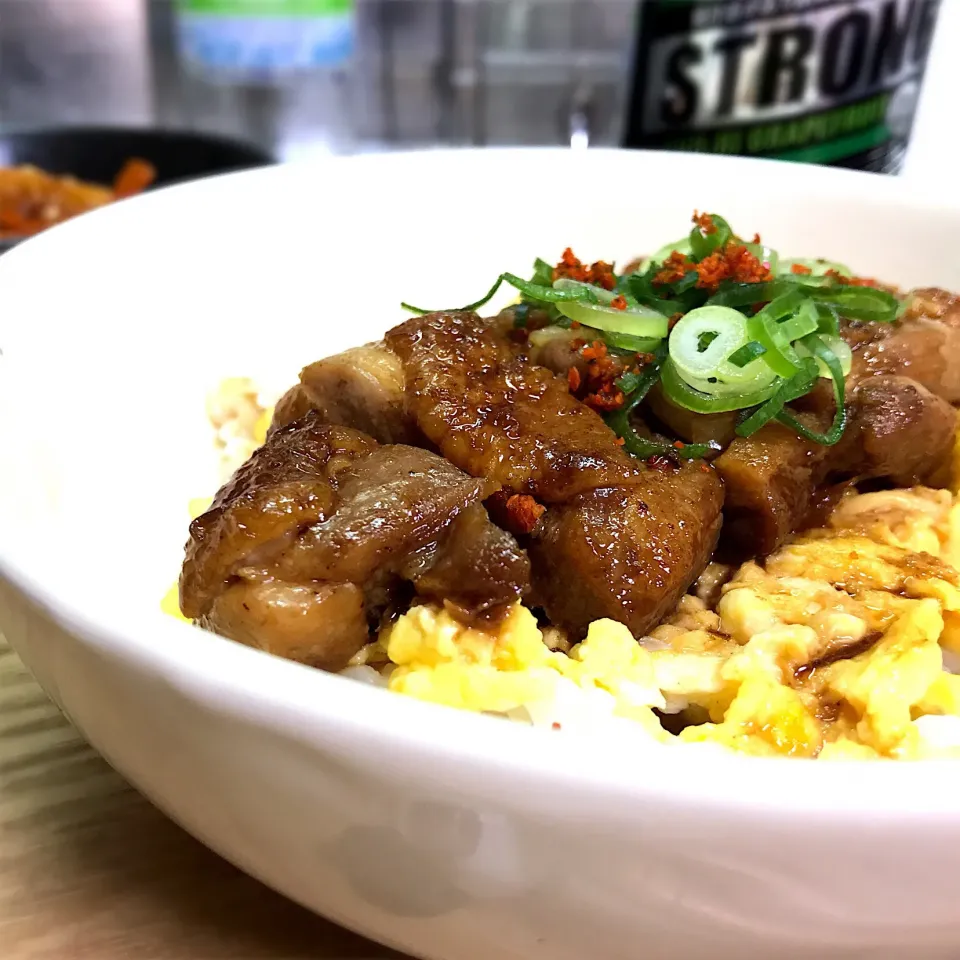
600,274
733,262
135,176
32,200
705,222
524,512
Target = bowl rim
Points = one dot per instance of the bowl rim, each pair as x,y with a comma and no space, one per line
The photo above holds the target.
305,703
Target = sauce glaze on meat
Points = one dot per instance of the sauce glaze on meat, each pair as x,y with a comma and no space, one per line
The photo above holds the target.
382,463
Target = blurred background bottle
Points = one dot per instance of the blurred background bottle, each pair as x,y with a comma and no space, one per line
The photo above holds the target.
280,64
832,81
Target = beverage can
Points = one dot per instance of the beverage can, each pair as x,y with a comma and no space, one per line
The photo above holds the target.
820,81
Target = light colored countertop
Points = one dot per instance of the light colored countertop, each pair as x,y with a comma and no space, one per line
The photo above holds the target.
89,870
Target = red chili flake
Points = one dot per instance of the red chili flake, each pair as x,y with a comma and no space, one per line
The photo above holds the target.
572,268
644,359
577,344
705,467
602,275
555,725
596,385
678,444
575,324
524,512
607,399
619,441
619,302
573,379
756,238
595,351
800,269
674,268
705,222
733,262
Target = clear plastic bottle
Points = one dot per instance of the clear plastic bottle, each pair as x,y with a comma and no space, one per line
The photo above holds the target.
823,81
285,62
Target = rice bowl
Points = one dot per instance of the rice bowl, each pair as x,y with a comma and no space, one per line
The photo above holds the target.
306,780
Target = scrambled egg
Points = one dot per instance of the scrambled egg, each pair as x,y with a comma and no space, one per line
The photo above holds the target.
832,648
508,669
838,646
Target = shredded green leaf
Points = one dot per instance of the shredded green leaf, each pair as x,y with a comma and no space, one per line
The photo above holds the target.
789,334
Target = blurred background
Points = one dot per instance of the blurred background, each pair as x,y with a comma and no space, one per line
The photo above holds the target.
307,77
413,72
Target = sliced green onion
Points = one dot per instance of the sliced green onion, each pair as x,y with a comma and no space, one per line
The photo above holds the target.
678,391
764,328
859,303
766,255
817,268
840,348
806,320
693,358
796,386
637,320
686,282
563,290
470,306
680,246
703,244
542,272
578,289
827,319
624,341
747,294
703,363
640,287
636,385
644,449
749,351
823,353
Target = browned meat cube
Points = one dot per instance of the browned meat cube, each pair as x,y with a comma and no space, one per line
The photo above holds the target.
360,388
316,536
619,538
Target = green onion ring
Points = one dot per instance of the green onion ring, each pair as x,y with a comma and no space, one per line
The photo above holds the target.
799,384
764,328
679,392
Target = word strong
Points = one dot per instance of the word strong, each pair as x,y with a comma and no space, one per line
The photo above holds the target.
825,81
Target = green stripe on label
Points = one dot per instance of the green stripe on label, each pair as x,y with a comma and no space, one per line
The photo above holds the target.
840,148
267,8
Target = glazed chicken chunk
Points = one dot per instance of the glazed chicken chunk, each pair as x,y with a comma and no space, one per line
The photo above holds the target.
620,538
324,532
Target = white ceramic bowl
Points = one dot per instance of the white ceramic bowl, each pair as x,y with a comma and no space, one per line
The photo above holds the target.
451,836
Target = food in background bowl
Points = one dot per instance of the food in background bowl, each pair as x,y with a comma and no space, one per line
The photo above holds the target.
683,500
32,200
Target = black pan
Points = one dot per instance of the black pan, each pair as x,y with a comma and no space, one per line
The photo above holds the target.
97,154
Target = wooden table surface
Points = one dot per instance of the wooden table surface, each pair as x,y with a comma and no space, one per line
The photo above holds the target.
89,870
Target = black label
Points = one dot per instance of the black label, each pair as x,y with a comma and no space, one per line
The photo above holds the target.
822,81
